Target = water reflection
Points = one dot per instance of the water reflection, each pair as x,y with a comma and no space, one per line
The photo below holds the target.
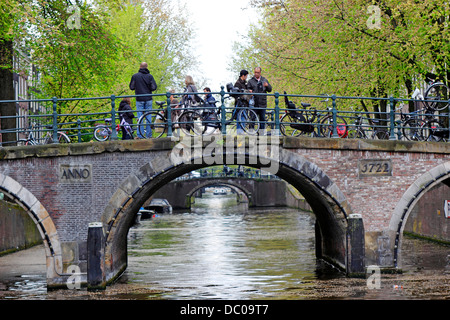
223,250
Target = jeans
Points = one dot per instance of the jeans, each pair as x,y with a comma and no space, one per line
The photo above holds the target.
142,107
240,119
262,117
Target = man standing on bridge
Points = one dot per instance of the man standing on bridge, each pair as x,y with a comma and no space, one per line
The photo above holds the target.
259,84
143,82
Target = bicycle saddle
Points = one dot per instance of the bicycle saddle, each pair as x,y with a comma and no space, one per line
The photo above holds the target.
306,105
160,103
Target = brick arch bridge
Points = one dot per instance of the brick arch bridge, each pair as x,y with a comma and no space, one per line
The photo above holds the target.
256,192
362,185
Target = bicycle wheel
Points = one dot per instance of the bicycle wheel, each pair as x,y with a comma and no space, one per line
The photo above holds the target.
433,130
191,123
380,135
326,126
23,142
249,121
436,92
63,138
152,124
102,133
412,130
286,128
356,133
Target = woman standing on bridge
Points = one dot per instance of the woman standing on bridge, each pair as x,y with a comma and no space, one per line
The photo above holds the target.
126,118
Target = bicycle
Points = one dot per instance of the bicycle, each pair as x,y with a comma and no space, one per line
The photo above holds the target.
436,96
297,122
207,118
243,119
156,120
359,133
422,125
48,138
185,118
103,132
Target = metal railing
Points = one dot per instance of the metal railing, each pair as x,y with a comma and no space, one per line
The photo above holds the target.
340,120
228,172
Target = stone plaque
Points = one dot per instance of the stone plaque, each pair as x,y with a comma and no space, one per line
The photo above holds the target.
75,173
374,167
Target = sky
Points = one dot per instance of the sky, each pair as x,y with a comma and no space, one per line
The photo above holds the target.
218,23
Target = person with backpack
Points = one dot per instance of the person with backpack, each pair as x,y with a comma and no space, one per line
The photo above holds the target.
210,111
126,116
143,82
188,98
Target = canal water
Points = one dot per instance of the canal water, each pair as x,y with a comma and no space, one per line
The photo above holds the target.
224,250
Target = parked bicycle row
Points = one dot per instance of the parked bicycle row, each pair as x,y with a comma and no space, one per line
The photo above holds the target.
234,113
207,118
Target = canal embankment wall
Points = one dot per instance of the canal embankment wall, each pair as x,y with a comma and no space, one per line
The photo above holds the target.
294,199
17,229
428,218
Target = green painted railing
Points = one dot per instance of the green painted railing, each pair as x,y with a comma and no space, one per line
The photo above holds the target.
342,119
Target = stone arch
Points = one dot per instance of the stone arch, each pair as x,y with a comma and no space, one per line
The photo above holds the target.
221,182
44,224
407,202
324,196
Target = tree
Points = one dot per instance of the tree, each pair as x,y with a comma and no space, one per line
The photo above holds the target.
91,48
335,46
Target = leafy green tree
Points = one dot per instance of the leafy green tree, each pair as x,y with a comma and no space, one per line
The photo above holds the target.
92,48
350,47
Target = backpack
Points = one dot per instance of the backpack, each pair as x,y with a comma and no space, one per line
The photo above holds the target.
195,97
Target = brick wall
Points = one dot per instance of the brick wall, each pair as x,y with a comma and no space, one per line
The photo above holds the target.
374,198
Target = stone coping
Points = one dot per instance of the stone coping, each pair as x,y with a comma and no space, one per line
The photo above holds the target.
140,145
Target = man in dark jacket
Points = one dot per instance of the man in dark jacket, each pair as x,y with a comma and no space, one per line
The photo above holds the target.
241,82
143,83
259,84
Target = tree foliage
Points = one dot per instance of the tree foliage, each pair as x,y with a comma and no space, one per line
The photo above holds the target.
92,48
350,47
